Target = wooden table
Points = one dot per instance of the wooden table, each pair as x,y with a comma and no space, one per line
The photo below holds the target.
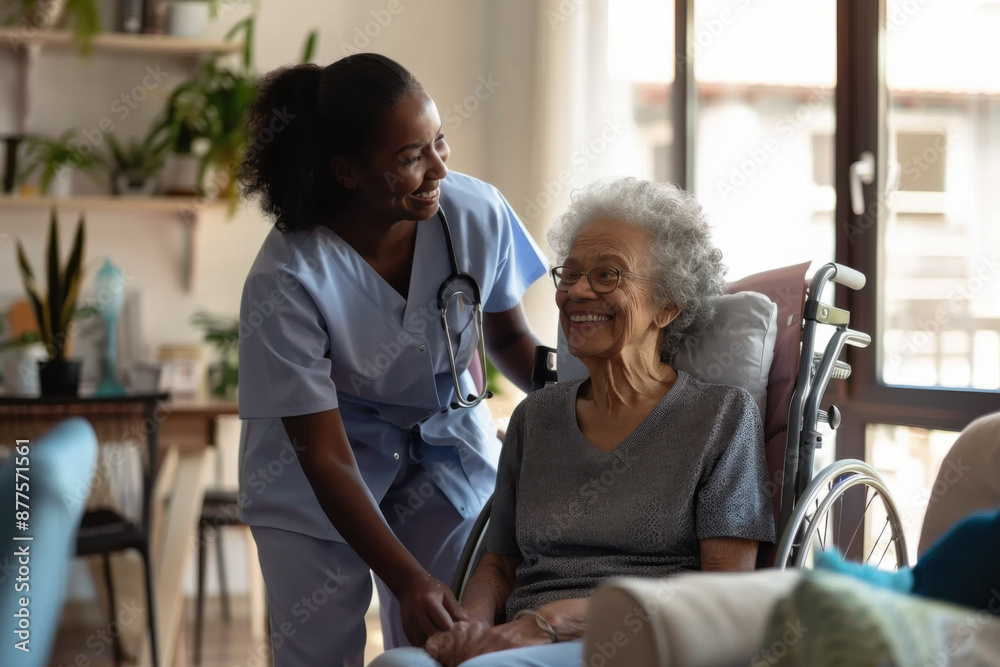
186,430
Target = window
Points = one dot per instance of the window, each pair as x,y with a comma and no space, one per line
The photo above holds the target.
909,460
764,128
640,58
941,286
779,99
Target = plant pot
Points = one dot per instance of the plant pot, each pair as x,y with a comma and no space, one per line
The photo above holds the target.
62,183
223,379
188,18
20,369
46,14
180,175
132,186
12,157
59,377
219,183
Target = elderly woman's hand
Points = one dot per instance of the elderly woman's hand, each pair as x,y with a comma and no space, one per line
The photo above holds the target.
452,647
516,634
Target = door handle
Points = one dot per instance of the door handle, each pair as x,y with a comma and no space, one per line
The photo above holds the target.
862,172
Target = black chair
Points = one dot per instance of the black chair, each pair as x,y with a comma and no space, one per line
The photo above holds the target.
219,510
105,531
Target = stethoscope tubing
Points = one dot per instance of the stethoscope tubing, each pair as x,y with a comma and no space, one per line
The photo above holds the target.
471,400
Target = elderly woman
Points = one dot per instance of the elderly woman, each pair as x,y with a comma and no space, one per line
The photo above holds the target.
639,470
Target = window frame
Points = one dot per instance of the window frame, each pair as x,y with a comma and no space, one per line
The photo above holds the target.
861,108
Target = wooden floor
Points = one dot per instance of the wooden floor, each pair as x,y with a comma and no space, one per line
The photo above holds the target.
225,644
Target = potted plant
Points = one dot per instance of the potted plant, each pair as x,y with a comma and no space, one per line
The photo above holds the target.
55,308
20,364
40,14
212,107
47,14
58,158
134,166
223,334
185,121
190,18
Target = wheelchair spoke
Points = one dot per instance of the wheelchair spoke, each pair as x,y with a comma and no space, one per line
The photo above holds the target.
886,550
867,505
840,516
875,543
820,534
803,535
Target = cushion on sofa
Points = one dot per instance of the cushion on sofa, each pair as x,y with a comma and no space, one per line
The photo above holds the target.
835,619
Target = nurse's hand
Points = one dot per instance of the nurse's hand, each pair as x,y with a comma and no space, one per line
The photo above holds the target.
427,607
454,647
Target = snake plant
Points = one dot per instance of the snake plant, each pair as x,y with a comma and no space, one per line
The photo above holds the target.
56,306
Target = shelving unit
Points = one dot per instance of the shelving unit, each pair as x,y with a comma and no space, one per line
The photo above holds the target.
24,48
115,42
186,209
25,45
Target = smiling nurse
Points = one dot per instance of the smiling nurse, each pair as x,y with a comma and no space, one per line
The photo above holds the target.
355,454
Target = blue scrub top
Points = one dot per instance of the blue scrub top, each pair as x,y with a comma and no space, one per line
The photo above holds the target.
320,329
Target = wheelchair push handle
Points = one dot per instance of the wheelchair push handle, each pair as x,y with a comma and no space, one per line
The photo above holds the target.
848,277
838,273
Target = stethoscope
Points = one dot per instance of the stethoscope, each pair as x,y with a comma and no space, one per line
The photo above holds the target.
460,285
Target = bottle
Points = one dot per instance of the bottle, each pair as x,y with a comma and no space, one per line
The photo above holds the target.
130,16
154,16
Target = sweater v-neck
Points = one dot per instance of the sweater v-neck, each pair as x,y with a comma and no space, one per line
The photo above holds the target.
626,443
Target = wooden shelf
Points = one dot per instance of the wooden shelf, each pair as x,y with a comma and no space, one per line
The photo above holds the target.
185,209
120,42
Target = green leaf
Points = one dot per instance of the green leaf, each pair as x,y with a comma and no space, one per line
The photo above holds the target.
27,338
48,173
35,294
117,153
203,165
86,23
240,25
248,45
247,27
55,287
310,47
74,274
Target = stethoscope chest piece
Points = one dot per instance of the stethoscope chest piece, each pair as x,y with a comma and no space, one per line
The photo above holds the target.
460,299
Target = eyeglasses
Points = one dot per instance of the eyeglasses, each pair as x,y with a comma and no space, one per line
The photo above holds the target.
602,279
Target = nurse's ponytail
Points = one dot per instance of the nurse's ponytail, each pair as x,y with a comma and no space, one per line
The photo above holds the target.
303,117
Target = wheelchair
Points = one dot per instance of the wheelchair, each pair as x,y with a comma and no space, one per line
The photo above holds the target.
809,506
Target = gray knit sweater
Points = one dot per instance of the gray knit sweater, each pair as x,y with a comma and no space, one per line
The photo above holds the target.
577,515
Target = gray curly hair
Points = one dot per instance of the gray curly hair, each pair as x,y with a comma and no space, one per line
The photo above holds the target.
687,270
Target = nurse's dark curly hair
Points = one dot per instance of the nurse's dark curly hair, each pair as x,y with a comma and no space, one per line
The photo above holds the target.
302,118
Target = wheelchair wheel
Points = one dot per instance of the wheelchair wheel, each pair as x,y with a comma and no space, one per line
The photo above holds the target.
817,521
